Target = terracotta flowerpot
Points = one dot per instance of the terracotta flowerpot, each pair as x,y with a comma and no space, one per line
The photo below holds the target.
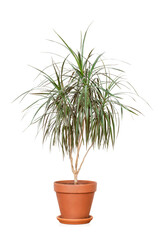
75,200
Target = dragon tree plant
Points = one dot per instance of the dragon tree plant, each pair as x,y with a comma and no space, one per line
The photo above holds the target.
80,102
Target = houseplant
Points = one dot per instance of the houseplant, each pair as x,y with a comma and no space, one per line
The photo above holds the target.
80,103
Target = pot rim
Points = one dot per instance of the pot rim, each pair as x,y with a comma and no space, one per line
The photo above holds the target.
68,186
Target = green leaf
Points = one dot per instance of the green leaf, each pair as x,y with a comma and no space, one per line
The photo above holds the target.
69,48
93,65
47,77
83,42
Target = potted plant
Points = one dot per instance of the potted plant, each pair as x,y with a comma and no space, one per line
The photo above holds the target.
80,102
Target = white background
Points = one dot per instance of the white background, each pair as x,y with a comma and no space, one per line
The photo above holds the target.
127,201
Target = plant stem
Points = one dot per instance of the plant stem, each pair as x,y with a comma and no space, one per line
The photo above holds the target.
79,146
70,154
84,158
75,177
75,169
75,172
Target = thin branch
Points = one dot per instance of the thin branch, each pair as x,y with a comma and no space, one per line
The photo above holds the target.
78,150
79,146
84,158
70,154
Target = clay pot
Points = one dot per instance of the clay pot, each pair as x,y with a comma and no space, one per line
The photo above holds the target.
75,200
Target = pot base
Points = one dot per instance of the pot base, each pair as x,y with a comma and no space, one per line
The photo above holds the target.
74,221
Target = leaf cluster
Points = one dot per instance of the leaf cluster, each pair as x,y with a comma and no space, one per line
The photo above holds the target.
80,98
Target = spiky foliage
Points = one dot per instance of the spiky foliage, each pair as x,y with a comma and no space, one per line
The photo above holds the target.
78,102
